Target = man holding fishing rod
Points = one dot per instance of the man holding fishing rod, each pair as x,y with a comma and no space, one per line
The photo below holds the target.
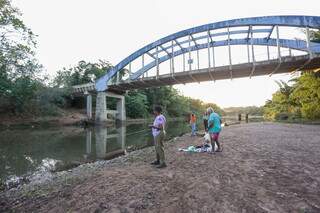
158,132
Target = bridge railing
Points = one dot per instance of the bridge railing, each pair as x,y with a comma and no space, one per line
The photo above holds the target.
83,88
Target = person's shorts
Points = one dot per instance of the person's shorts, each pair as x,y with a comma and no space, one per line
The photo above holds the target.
214,136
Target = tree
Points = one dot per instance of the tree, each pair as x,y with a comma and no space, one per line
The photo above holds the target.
18,67
136,105
281,106
83,72
175,104
301,100
306,94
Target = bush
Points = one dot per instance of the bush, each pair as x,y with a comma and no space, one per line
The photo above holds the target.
311,111
136,105
299,101
50,100
283,116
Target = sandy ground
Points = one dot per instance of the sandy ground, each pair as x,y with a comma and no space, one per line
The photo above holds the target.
263,168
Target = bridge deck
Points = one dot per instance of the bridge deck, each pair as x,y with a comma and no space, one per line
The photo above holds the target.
288,65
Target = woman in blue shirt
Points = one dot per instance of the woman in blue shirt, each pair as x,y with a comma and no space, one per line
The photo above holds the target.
214,128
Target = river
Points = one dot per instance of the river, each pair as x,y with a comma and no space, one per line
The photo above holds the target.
34,152
28,152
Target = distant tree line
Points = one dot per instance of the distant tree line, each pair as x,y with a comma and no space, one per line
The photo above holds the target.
251,110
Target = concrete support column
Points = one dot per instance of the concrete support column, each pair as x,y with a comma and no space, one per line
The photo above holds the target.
121,108
89,106
101,108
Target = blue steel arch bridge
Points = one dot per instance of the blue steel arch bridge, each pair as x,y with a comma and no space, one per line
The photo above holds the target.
269,45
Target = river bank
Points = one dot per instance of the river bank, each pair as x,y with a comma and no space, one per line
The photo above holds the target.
67,117
265,167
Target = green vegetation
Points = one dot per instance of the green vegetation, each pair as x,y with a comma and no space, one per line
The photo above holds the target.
82,73
174,104
18,67
299,99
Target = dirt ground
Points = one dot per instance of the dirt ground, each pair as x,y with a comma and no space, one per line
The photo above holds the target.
264,167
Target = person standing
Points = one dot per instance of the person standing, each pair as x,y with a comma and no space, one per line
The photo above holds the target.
214,127
193,121
205,121
158,132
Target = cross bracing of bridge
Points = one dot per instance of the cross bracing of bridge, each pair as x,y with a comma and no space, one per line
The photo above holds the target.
247,32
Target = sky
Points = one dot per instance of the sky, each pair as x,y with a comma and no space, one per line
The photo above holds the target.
73,30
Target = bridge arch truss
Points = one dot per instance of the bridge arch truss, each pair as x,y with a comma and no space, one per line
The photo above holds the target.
249,32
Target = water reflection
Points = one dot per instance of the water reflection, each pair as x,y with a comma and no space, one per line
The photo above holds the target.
107,145
88,141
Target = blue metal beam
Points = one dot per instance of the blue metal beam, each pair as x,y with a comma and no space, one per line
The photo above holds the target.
293,21
270,33
235,32
164,49
293,44
149,54
178,44
249,31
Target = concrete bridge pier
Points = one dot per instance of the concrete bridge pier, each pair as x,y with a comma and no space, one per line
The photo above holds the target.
101,108
89,105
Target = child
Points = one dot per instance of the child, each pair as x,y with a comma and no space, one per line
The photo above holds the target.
193,120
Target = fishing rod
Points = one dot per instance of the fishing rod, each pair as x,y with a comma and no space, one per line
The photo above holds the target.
140,131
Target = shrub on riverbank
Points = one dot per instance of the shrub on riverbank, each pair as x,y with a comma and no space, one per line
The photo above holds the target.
300,100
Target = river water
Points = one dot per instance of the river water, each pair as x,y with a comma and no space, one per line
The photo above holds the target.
26,152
